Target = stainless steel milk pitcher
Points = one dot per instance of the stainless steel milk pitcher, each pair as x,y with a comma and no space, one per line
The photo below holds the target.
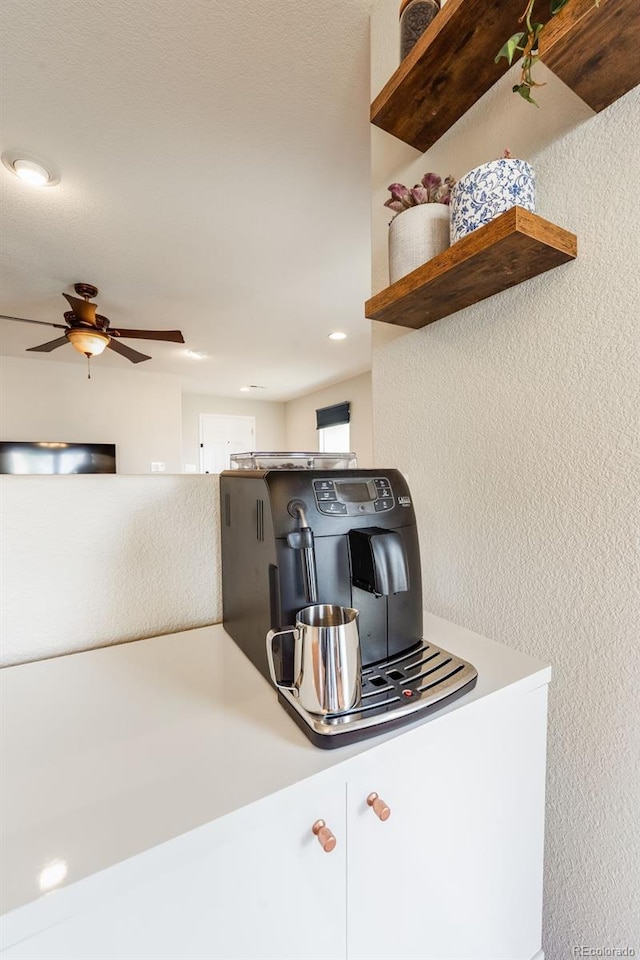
327,664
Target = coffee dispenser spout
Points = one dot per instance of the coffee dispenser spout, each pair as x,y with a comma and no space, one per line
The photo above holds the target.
378,561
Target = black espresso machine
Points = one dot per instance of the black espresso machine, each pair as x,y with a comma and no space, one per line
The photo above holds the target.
294,537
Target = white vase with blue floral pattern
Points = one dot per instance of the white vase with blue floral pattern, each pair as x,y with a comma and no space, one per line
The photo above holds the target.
488,190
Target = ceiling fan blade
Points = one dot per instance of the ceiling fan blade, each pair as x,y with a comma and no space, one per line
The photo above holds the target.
127,352
41,323
82,309
48,347
175,336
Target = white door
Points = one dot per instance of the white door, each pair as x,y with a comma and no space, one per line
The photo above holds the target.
456,871
254,884
221,436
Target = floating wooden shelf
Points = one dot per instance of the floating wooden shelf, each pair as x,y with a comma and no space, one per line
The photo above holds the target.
514,247
593,49
450,67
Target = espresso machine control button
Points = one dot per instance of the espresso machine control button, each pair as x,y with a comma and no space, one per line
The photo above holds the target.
322,495
383,488
319,485
333,507
385,504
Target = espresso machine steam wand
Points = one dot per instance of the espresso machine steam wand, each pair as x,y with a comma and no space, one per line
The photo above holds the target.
302,540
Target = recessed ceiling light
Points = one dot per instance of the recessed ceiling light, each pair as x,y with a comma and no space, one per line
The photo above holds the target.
245,389
52,875
196,354
31,172
30,169
337,335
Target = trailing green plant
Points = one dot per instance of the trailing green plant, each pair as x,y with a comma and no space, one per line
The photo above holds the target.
526,42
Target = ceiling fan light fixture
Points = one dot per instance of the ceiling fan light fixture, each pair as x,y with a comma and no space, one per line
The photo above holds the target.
90,333
88,342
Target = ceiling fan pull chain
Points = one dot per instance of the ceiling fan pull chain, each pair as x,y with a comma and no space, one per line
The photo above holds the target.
88,366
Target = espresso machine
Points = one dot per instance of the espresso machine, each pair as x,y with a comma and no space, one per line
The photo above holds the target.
296,537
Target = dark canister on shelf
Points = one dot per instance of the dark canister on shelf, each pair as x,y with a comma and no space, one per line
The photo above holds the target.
415,17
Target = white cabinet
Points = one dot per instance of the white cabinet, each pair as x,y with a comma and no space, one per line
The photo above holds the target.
455,873
254,884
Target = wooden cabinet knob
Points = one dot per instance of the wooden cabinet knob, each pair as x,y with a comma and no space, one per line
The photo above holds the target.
325,838
379,807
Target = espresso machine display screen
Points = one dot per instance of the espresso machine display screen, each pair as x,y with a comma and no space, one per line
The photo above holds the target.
354,492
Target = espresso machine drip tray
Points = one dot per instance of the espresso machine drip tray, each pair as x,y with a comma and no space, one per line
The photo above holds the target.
394,692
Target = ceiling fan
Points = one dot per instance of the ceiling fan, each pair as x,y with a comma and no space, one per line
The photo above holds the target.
90,333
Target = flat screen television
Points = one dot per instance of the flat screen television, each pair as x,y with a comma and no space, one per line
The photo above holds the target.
47,457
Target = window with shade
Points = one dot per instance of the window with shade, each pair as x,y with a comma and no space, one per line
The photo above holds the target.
333,425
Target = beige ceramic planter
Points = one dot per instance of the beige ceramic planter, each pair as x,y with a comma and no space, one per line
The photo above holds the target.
415,236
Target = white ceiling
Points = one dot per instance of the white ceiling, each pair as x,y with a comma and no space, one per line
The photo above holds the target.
214,164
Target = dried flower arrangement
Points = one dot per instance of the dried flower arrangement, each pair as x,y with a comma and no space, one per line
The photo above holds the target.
431,189
529,47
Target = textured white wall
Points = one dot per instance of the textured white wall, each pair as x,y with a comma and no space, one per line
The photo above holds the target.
516,423
301,417
270,421
137,410
87,561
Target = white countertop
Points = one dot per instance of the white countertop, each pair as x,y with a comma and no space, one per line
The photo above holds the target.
110,752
